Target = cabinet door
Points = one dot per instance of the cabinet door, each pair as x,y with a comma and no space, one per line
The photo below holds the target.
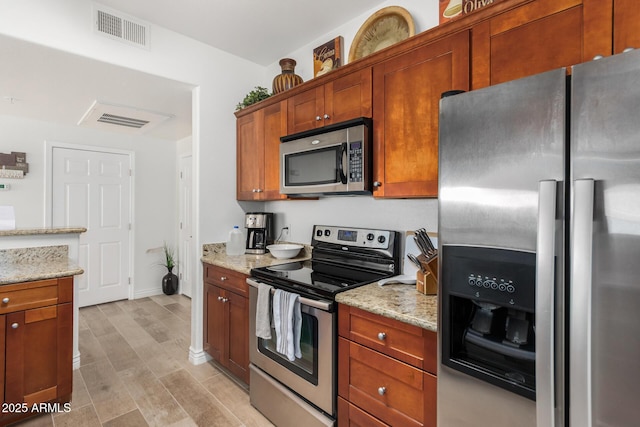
274,126
406,97
238,344
39,346
214,322
305,110
2,354
351,416
391,391
249,156
540,36
626,28
348,97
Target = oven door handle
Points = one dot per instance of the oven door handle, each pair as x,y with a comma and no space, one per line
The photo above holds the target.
319,304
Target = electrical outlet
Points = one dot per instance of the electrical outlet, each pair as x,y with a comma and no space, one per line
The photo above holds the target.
286,232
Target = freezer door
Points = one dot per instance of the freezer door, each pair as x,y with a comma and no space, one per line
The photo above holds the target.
502,160
605,243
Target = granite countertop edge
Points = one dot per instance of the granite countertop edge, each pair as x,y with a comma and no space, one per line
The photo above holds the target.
395,301
19,274
41,231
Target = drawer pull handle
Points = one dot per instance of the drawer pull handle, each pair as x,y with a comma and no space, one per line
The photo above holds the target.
382,391
382,336
14,325
223,278
5,300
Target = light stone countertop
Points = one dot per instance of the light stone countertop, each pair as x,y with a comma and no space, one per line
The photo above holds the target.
396,301
215,254
38,263
39,231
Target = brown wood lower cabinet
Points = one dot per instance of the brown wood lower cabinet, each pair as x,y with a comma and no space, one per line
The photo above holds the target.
386,371
37,335
226,319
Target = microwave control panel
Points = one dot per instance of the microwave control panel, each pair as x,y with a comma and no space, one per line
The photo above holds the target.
355,161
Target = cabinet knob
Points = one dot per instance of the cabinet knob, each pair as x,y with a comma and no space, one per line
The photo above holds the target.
326,117
223,278
382,391
382,336
219,298
225,299
318,118
14,325
377,184
5,300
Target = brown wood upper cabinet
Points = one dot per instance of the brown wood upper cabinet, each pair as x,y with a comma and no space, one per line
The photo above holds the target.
626,19
539,36
258,140
406,96
338,100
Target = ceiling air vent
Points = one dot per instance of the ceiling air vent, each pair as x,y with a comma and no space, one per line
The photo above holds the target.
119,26
121,118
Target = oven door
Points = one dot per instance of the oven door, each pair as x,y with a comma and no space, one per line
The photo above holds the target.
313,376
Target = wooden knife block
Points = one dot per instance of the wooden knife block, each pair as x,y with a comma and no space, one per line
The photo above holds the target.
427,283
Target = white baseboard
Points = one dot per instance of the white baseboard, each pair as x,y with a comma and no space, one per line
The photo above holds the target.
147,293
76,361
198,357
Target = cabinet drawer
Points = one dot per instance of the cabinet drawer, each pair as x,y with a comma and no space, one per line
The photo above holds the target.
28,295
408,343
227,279
352,416
392,391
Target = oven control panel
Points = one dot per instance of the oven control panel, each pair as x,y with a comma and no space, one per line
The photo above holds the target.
358,237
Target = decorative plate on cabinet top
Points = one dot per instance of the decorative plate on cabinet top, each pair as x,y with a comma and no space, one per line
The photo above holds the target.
384,28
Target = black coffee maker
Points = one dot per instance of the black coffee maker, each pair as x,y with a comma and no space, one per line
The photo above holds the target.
259,227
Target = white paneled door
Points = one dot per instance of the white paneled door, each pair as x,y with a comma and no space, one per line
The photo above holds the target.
186,256
92,189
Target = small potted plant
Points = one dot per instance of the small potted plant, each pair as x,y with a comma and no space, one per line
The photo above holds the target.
256,95
170,280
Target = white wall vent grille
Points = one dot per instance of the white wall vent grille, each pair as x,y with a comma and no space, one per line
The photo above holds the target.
121,27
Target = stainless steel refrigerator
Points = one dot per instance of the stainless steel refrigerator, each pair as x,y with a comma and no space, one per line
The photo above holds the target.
539,240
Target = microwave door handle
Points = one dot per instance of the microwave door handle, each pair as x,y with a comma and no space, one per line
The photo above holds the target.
341,163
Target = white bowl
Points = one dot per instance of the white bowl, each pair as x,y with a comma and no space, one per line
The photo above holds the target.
284,250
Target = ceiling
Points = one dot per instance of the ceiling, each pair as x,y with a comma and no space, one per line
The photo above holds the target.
50,85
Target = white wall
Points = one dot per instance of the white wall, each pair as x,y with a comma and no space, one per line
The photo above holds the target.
221,80
155,185
360,211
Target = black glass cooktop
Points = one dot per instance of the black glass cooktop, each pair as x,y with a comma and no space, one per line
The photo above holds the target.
315,279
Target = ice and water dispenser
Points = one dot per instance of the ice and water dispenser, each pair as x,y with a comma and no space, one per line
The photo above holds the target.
488,315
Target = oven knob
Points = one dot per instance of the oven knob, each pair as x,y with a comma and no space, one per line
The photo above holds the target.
382,239
327,233
370,236
319,233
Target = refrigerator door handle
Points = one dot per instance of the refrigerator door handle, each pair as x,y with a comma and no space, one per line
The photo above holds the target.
580,378
545,304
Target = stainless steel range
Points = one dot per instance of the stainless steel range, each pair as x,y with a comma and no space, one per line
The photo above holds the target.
303,391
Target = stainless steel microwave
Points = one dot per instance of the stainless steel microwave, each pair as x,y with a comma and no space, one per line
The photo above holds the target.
333,160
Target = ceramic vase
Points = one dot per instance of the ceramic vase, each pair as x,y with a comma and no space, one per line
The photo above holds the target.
170,283
288,78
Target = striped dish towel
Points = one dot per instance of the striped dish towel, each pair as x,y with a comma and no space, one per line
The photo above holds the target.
288,323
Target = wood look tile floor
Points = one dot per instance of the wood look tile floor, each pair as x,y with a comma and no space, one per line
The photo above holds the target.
135,371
